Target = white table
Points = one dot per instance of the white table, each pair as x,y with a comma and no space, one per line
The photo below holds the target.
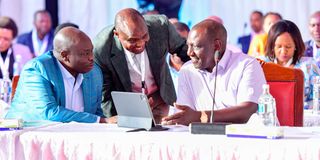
101,141
310,119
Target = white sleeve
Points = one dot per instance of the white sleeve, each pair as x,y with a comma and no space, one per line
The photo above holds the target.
184,95
250,86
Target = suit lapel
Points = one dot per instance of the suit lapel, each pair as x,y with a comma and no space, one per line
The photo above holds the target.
119,63
61,97
86,92
154,61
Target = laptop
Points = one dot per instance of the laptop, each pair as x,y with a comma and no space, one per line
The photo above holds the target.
134,111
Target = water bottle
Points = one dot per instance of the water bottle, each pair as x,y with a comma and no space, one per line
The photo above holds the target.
5,90
316,95
17,65
267,108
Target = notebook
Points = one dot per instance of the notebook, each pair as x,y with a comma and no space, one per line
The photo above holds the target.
134,111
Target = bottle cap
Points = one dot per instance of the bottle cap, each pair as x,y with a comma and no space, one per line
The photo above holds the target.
265,86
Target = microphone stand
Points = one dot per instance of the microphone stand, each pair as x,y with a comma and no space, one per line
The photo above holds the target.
211,127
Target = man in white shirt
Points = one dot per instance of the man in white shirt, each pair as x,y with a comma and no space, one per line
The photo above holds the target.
238,79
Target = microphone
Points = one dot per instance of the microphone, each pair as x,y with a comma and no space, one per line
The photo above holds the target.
210,128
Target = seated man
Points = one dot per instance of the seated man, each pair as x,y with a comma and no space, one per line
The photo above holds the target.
239,80
61,85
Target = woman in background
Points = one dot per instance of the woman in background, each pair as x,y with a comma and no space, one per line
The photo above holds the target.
11,52
286,47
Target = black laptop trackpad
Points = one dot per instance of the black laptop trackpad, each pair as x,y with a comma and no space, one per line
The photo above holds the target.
158,128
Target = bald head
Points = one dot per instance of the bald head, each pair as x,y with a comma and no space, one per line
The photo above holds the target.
73,49
129,21
68,37
212,30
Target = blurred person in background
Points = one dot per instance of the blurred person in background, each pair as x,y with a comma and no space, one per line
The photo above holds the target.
40,39
258,44
313,45
11,52
256,23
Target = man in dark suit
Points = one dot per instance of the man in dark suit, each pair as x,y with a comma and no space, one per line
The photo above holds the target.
40,39
256,21
313,45
136,45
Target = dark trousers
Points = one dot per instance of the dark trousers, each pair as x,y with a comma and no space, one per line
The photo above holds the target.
159,108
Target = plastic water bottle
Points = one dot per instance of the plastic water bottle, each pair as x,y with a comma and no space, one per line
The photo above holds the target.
267,108
17,65
5,89
316,95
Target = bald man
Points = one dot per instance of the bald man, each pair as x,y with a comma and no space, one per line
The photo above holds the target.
132,55
313,45
61,85
238,78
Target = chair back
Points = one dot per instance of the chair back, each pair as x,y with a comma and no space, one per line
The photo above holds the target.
15,80
287,87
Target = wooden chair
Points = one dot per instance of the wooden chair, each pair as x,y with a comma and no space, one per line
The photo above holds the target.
15,80
287,87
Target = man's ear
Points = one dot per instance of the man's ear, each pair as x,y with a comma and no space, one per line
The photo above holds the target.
217,44
115,32
65,55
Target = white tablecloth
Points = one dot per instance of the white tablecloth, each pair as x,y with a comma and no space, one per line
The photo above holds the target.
101,141
310,119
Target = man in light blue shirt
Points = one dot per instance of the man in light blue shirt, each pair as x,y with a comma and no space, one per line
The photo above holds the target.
61,85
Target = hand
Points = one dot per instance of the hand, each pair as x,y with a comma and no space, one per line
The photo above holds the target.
111,120
185,116
175,62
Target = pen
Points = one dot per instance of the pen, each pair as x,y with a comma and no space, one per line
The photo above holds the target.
9,129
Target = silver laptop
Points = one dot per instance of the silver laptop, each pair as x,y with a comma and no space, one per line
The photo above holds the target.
134,111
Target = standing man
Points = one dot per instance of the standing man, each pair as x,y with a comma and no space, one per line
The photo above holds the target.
132,56
39,40
61,85
256,22
313,45
216,75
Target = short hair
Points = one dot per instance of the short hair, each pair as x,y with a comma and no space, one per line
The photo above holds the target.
126,14
8,23
181,26
62,25
279,28
257,12
41,12
272,13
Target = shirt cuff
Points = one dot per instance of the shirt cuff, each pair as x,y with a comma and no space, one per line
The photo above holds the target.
98,119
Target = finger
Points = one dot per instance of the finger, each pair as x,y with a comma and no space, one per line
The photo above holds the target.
174,116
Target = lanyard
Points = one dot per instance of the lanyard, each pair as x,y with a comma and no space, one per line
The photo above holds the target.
4,64
37,50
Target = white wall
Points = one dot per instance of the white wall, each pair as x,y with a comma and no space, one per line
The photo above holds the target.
21,11
93,15
236,12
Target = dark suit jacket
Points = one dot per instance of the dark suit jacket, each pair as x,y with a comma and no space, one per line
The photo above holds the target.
26,39
110,56
244,41
309,49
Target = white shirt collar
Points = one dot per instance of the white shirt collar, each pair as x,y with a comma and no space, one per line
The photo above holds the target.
67,75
